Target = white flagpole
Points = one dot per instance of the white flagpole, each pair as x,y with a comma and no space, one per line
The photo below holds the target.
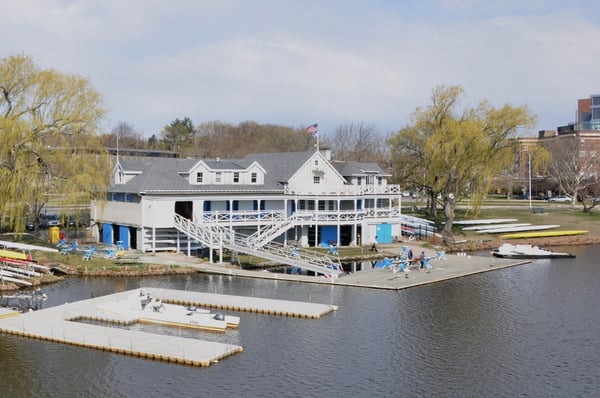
318,136
317,141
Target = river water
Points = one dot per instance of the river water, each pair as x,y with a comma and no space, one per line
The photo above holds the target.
530,331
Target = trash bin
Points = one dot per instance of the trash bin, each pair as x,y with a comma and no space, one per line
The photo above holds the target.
54,233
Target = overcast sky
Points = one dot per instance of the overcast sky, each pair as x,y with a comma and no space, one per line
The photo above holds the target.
297,62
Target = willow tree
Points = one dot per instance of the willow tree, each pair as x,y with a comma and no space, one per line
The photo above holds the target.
48,148
455,155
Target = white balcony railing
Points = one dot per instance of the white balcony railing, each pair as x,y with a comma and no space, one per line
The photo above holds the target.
352,190
300,216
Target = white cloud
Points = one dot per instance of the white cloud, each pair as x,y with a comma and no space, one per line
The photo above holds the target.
295,62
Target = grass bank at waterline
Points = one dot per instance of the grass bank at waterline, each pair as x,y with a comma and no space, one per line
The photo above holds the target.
568,219
562,215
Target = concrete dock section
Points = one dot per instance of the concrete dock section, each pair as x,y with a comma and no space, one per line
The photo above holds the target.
60,324
453,266
450,266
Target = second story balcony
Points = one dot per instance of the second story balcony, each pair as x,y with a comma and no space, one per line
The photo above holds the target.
351,190
299,217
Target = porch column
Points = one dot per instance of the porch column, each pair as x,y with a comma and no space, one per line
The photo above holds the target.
285,213
258,217
399,205
153,239
339,216
189,246
355,222
316,221
141,240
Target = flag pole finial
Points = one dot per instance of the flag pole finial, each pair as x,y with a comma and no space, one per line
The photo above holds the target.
313,130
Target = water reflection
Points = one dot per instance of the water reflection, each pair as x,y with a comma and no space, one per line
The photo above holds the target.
530,330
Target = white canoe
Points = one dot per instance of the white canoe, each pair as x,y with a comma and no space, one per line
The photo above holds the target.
517,229
492,226
6,277
485,221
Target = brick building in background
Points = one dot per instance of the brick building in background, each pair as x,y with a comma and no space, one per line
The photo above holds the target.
581,136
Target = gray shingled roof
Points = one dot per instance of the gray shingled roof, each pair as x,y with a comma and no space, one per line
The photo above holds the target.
223,164
156,174
280,166
163,174
351,168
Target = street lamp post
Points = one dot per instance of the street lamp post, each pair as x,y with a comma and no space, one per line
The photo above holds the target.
529,175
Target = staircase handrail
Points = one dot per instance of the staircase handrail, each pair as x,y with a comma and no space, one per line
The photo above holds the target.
272,230
214,235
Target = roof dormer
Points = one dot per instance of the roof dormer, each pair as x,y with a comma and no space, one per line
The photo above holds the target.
219,172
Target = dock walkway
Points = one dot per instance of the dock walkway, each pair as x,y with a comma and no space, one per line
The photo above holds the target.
456,265
243,304
59,324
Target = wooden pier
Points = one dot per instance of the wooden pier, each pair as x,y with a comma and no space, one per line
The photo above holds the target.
59,324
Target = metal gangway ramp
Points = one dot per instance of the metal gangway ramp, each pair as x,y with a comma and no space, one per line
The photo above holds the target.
214,235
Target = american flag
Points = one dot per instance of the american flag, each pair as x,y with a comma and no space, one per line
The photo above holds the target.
313,129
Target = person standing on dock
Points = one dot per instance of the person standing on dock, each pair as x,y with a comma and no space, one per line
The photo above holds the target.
422,260
374,245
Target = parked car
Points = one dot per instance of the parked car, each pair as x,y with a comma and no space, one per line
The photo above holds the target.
29,225
560,199
76,220
73,221
49,220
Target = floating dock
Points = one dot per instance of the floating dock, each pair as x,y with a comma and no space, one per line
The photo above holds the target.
143,307
59,324
243,304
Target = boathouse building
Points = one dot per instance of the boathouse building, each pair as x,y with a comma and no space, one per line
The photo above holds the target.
294,198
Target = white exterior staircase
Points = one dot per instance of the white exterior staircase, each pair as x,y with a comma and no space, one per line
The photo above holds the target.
214,235
270,231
